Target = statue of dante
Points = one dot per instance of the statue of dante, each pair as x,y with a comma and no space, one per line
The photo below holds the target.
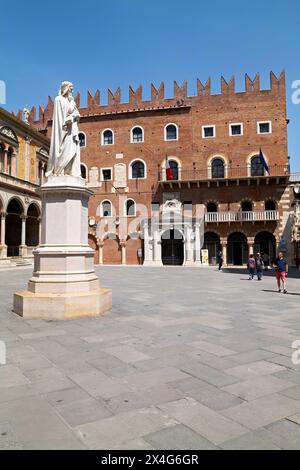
64,155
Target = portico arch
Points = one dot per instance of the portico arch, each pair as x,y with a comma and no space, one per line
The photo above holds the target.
32,225
13,226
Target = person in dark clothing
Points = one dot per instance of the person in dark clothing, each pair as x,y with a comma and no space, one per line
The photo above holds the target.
251,267
281,270
259,264
220,260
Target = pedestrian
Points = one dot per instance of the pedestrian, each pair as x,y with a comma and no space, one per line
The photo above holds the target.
259,265
281,270
220,260
266,260
140,255
251,267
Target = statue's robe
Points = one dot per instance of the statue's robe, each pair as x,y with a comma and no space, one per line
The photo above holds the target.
64,155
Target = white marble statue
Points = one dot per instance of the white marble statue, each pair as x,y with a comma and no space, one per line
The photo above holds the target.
64,156
26,114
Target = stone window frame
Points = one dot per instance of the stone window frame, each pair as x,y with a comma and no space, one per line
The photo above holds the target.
82,146
125,207
102,136
131,134
264,122
165,132
206,126
106,168
236,124
101,209
137,159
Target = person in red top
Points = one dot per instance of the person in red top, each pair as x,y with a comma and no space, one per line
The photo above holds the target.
281,270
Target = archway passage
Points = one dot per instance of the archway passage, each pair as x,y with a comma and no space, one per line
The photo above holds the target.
237,249
172,253
13,227
32,226
265,243
213,245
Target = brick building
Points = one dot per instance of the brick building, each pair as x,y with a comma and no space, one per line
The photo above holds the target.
220,196
23,160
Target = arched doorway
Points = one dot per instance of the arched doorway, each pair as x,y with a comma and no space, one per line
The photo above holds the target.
172,248
93,245
132,247
237,249
213,245
112,253
32,226
265,242
13,227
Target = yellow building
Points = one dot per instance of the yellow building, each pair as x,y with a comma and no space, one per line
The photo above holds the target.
23,160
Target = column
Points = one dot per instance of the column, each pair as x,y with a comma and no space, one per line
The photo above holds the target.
13,164
123,248
23,247
3,247
224,250
250,245
5,160
40,229
189,261
197,244
147,251
157,247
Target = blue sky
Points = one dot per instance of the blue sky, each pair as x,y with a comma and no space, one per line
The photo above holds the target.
101,44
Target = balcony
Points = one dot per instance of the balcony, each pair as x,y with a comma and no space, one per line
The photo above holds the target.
16,183
253,216
195,176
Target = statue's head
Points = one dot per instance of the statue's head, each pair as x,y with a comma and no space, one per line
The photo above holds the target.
66,88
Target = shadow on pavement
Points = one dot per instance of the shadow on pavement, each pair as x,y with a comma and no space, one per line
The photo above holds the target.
293,272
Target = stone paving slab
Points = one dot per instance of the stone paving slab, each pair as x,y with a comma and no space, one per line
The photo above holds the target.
197,368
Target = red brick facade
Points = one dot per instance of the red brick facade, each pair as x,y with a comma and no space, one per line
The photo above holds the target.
194,153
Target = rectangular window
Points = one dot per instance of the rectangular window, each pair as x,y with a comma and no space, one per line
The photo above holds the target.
106,174
208,132
235,129
264,127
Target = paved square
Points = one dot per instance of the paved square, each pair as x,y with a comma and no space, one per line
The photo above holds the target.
186,359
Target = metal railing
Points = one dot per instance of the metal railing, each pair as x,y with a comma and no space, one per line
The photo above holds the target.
229,173
295,177
234,216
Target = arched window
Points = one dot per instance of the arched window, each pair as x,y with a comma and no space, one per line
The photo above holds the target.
212,207
171,132
270,206
175,169
257,168
217,168
82,139
107,137
247,206
137,135
137,169
106,209
83,171
130,208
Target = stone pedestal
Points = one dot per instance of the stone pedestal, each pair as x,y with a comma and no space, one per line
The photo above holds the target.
64,284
